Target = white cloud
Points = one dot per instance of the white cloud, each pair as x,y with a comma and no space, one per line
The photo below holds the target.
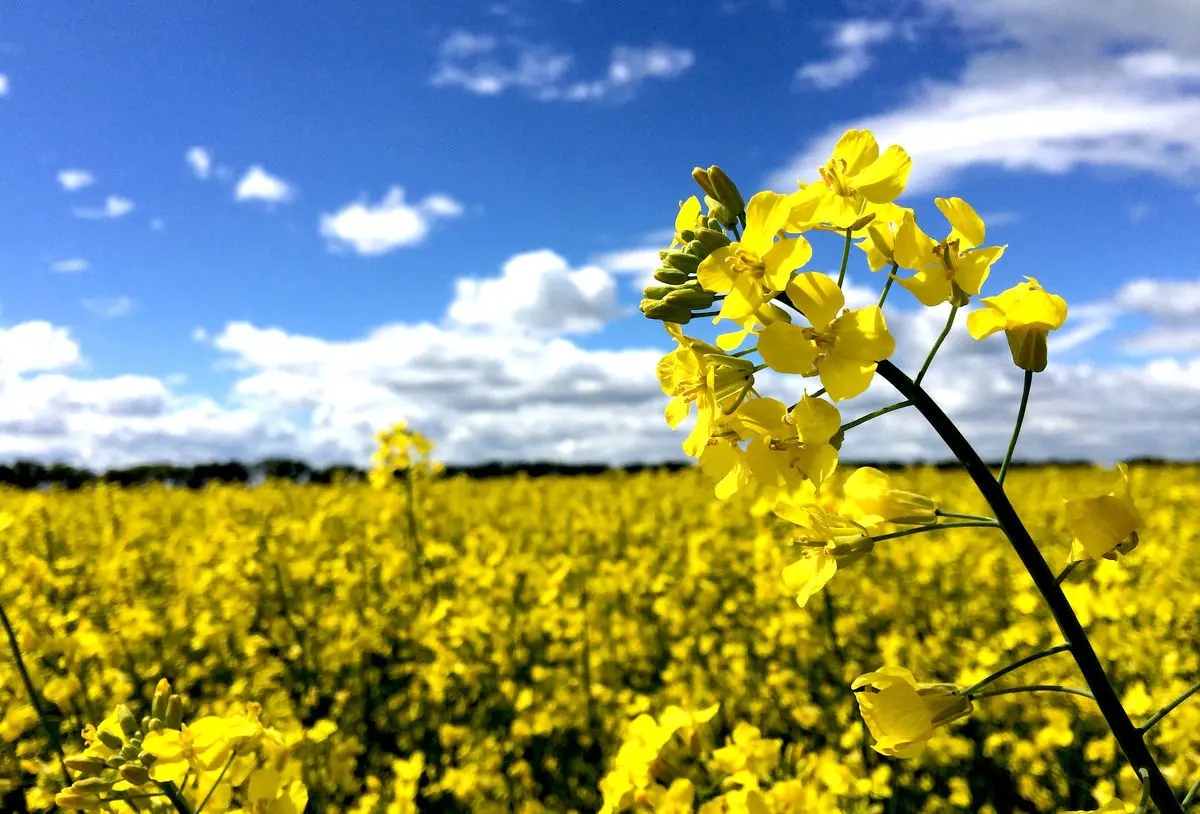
109,307
538,292
373,229
114,207
640,263
200,160
35,346
259,185
71,264
71,180
1167,300
851,41
488,66
1048,87
3,84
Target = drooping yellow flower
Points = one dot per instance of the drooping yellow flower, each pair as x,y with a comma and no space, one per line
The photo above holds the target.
701,374
1026,313
791,445
843,350
756,268
825,539
951,270
880,245
855,177
901,713
1105,524
871,499
200,746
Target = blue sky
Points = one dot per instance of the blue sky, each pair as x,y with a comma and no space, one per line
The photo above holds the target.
238,231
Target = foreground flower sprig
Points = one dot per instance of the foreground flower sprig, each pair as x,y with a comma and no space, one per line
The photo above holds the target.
845,349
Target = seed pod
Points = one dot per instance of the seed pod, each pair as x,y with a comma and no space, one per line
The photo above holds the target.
861,222
682,261
702,179
726,191
671,276
129,724
712,239
135,774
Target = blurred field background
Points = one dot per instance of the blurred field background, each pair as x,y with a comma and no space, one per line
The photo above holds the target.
494,638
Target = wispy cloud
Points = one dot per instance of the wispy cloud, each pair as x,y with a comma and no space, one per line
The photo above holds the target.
3,84
70,265
109,307
114,207
200,160
259,185
71,180
486,65
851,43
372,229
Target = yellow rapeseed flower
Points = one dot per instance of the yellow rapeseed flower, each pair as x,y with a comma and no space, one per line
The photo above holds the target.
1026,313
1105,524
951,270
855,177
901,713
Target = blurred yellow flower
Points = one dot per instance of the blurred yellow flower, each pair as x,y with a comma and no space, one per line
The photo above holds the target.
901,713
871,498
1106,524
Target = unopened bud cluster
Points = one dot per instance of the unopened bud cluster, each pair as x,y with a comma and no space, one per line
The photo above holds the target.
678,295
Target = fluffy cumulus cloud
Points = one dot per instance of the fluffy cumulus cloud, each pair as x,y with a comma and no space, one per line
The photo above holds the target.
200,160
1048,87
372,229
851,42
259,185
1173,310
114,207
537,292
71,180
488,65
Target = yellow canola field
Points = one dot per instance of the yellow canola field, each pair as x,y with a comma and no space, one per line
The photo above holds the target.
495,661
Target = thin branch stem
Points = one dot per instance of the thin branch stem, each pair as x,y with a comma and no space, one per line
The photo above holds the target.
888,285
1165,711
1191,794
1125,733
34,698
1016,665
937,345
972,524
845,258
1012,444
216,782
959,516
1034,688
891,408
177,799
1067,571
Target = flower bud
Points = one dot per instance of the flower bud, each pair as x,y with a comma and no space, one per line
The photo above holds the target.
682,261
726,191
129,724
129,752
174,716
91,785
712,239
115,762
135,774
702,179
692,300
146,759
696,249
110,739
714,224
861,222
667,312
671,276
722,213
657,292
70,800
687,235
86,765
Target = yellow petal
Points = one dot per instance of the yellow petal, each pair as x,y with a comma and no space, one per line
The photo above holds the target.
929,287
785,348
817,296
809,574
816,420
689,210
164,744
971,269
169,770
784,258
677,411
858,148
966,226
714,273
914,248
985,322
884,180
766,214
863,334
845,378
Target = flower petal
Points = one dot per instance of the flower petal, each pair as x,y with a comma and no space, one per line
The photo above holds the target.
863,334
786,349
884,180
967,227
845,378
817,296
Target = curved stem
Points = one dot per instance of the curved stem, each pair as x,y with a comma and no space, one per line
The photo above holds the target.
937,345
34,698
1165,711
900,405
216,782
1191,794
1125,733
888,285
974,524
1012,445
845,258
1034,688
1016,665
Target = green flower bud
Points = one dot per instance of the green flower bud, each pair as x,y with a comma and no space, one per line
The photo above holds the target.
687,234
692,300
137,775
696,249
702,179
712,239
657,292
668,313
722,213
109,739
158,707
129,752
682,261
174,716
70,800
726,191
129,724
91,785
146,759
86,765
714,224
154,724
671,276
115,762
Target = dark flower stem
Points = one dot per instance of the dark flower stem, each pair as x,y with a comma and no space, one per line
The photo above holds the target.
1126,734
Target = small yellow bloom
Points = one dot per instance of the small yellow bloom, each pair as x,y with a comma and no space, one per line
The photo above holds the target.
753,270
701,374
748,751
871,499
1026,313
880,246
1107,524
951,270
842,349
791,445
201,746
827,540
678,799
855,177
901,713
